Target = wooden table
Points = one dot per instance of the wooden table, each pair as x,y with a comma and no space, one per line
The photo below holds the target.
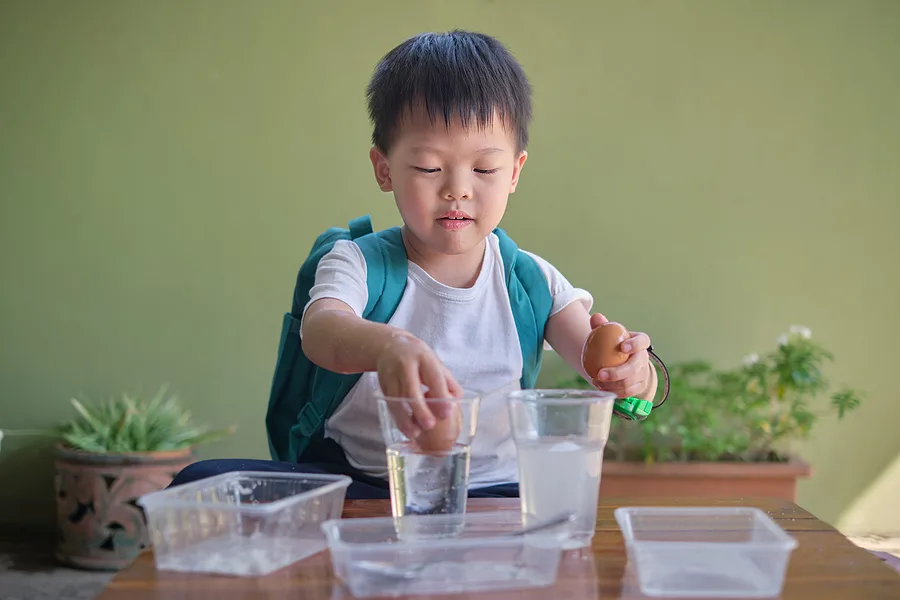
825,564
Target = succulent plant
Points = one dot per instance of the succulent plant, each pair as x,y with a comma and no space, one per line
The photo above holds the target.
128,424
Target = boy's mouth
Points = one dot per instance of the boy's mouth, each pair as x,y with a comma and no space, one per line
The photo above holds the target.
454,219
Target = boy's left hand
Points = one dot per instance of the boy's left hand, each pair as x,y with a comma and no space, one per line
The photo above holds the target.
633,377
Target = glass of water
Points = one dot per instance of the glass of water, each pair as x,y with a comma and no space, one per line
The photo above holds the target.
428,474
560,437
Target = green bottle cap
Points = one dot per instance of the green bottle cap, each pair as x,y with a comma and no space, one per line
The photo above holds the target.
636,409
632,408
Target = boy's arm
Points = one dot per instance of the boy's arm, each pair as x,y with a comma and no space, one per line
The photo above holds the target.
336,339
567,331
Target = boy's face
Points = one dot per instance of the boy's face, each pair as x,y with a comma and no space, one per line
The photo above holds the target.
451,184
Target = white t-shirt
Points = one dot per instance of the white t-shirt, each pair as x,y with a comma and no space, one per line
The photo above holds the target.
471,330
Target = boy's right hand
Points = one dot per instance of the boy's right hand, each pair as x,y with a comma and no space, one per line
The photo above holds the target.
405,365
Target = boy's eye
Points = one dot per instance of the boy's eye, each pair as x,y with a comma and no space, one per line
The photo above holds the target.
435,170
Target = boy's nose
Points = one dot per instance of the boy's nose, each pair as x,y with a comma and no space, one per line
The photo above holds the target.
457,190
450,195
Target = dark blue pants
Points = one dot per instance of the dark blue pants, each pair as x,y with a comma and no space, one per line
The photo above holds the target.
329,459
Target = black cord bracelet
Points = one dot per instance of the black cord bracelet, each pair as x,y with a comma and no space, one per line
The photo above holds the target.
665,371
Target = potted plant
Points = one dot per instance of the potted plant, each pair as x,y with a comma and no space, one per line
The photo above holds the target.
107,456
728,431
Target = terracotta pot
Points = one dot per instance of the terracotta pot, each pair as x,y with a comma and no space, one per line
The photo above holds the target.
714,479
100,525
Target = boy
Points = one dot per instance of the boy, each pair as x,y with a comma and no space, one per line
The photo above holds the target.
451,114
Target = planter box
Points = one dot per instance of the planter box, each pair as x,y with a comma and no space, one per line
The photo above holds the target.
715,479
100,523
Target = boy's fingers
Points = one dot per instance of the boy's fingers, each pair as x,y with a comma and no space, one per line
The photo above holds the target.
611,386
443,408
390,388
403,420
616,373
634,390
413,390
408,384
621,389
455,389
433,377
636,342
597,320
624,371
421,415
399,410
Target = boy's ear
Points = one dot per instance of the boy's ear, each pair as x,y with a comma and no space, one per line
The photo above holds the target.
517,170
382,169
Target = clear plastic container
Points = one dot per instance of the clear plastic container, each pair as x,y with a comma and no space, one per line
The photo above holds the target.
732,552
242,523
372,559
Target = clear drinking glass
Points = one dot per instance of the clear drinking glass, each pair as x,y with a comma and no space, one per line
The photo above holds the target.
429,474
560,436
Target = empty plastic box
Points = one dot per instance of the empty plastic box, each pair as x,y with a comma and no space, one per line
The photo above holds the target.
371,559
242,523
706,552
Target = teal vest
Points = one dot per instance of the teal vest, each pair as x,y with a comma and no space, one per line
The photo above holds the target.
303,395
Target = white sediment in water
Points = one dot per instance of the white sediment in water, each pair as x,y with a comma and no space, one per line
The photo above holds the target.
256,554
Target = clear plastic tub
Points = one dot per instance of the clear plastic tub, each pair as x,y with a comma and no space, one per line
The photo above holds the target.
242,523
372,559
733,552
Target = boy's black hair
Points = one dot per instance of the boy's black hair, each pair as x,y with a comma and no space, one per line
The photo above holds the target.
458,72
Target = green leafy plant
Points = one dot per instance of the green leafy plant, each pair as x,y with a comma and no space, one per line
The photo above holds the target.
128,424
751,412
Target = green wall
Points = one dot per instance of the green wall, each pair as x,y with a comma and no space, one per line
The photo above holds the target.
713,171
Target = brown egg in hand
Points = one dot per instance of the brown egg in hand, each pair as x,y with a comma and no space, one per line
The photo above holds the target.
442,437
601,348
